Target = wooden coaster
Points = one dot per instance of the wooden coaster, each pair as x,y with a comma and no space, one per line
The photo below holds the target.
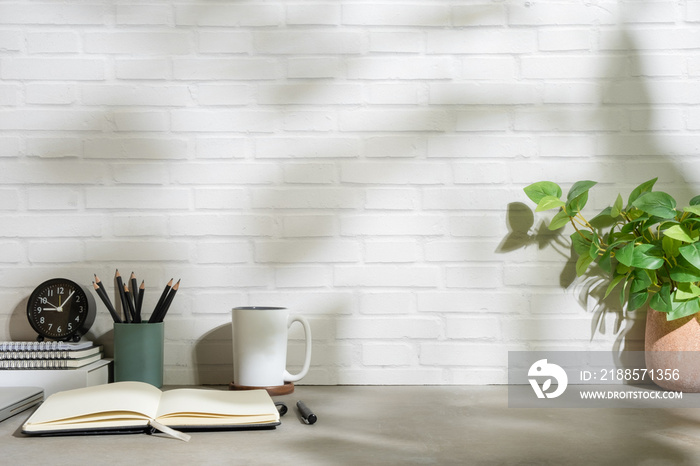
285,389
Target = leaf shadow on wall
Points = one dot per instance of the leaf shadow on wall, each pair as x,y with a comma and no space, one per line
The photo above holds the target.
523,233
633,146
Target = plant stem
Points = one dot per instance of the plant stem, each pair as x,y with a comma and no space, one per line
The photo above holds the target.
580,219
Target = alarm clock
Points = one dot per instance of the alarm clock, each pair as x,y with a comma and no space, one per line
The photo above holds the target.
61,309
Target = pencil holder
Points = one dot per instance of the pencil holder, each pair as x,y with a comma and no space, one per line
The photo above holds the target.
138,353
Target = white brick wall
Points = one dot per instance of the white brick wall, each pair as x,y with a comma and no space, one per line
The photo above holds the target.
354,161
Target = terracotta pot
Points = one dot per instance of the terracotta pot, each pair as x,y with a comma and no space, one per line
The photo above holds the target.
673,346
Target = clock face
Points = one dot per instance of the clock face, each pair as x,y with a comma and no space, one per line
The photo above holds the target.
61,309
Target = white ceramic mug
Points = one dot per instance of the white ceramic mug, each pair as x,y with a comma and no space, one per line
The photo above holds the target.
260,346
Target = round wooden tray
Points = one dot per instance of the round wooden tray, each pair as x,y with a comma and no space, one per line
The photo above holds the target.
285,389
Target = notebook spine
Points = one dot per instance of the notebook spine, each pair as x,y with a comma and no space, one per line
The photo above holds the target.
33,364
34,345
50,354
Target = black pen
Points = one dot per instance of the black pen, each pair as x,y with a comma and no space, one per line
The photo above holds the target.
306,413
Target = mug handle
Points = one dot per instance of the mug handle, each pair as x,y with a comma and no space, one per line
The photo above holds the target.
307,358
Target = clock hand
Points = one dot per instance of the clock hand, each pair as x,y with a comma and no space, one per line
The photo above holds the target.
60,307
68,298
59,300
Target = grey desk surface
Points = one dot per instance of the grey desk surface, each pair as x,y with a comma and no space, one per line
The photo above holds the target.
396,425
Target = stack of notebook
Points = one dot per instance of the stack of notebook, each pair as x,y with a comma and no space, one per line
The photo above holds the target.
47,354
52,365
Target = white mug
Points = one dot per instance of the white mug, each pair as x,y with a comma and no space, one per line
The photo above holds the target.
260,346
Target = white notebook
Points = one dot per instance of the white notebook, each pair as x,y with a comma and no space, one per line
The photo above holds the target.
14,400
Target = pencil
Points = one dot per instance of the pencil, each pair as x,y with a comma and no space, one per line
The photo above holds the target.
108,304
134,286
100,284
130,304
139,301
104,292
122,297
161,300
166,305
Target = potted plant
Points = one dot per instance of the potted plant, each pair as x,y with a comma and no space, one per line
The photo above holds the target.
650,250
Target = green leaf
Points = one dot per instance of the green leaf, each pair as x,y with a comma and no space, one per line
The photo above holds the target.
691,253
645,187
686,291
684,273
603,219
625,255
637,215
616,207
630,227
622,292
692,209
690,220
559,220
549,202
537,191
619,239
581,241
679,232
605,262
656,203
594,250
577,204
640,281
622,268
670,246
647,256
582,264
661,301
613,283
637,300
695,201
579,188
683,309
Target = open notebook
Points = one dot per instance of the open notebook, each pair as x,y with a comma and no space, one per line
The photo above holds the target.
126,407
14,400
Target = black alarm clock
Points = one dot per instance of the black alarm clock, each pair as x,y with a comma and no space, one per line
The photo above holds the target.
61,309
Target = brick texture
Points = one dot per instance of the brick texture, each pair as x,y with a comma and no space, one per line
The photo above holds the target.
361,163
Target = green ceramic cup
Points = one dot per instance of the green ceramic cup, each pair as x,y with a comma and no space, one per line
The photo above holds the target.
138,353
